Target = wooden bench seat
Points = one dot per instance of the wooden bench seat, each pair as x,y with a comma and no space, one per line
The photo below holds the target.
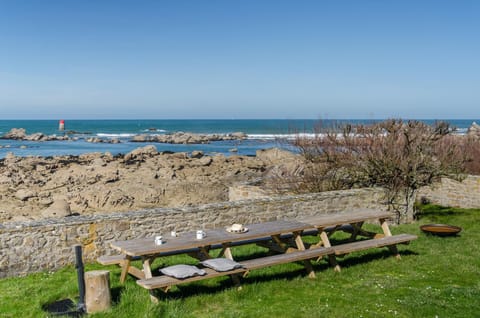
286,258
346,248
165,282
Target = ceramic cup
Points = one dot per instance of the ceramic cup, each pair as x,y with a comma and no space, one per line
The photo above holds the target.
173,234
200,234
158,240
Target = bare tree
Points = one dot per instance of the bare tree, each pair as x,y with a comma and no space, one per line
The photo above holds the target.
398,156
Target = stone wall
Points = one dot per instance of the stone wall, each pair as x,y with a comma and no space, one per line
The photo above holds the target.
465,194
246,192
48,245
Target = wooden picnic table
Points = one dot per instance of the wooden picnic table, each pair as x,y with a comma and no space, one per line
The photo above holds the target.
282,236
186,243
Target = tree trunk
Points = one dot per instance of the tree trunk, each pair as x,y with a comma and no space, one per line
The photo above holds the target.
97,291
408,213
403,205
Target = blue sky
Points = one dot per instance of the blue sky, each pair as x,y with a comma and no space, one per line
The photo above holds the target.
239,59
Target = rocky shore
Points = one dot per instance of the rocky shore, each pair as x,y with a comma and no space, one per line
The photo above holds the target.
38,187
21,134
474,130
174,138
188,138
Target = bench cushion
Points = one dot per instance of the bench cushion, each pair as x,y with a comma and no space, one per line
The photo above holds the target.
182,271
221,264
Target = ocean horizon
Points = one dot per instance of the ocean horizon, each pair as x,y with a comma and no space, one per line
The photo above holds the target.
262,134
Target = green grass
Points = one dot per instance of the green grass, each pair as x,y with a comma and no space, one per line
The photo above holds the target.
437,276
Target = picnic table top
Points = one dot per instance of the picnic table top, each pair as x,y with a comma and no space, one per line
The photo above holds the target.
185,241
332,219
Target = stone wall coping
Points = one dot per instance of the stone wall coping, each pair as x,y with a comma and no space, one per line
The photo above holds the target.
83,219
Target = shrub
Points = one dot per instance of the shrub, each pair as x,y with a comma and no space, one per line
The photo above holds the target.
398,156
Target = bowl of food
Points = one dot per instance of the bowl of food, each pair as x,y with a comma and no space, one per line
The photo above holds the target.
441,229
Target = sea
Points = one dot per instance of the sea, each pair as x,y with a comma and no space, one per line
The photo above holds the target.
262,134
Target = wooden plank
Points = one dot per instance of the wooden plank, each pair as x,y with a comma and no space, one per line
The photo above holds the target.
373,243
331,257
186,241
167,281
301,247
138,273
228,252
114,259
271,246
385,228
286,258
147,270
125,269
333,219
111,259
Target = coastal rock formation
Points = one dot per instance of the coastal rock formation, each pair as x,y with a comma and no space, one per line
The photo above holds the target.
16,133
284,169
188,138
474,130
37,187
102,140
20,134
59,208
141,153
175,138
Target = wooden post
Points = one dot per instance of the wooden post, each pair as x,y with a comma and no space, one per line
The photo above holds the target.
97,291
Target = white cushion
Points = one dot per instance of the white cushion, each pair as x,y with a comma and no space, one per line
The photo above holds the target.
221,264
182,271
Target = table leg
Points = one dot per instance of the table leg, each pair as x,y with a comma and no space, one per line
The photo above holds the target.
227,251
228,254
147,271
279,243
301,247
356,230
326,243
385,228
203,254
386,231
125,267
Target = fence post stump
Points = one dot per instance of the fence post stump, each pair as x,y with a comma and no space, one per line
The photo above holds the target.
97,291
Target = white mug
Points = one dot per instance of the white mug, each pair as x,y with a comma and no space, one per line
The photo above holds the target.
200,234
158,240
173,234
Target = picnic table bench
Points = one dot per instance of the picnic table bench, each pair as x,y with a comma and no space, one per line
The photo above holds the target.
165,282
327,224
282,236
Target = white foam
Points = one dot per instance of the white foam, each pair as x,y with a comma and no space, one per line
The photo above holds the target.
280,136
124,135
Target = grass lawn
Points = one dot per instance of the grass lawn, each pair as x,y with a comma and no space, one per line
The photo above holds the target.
436,277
